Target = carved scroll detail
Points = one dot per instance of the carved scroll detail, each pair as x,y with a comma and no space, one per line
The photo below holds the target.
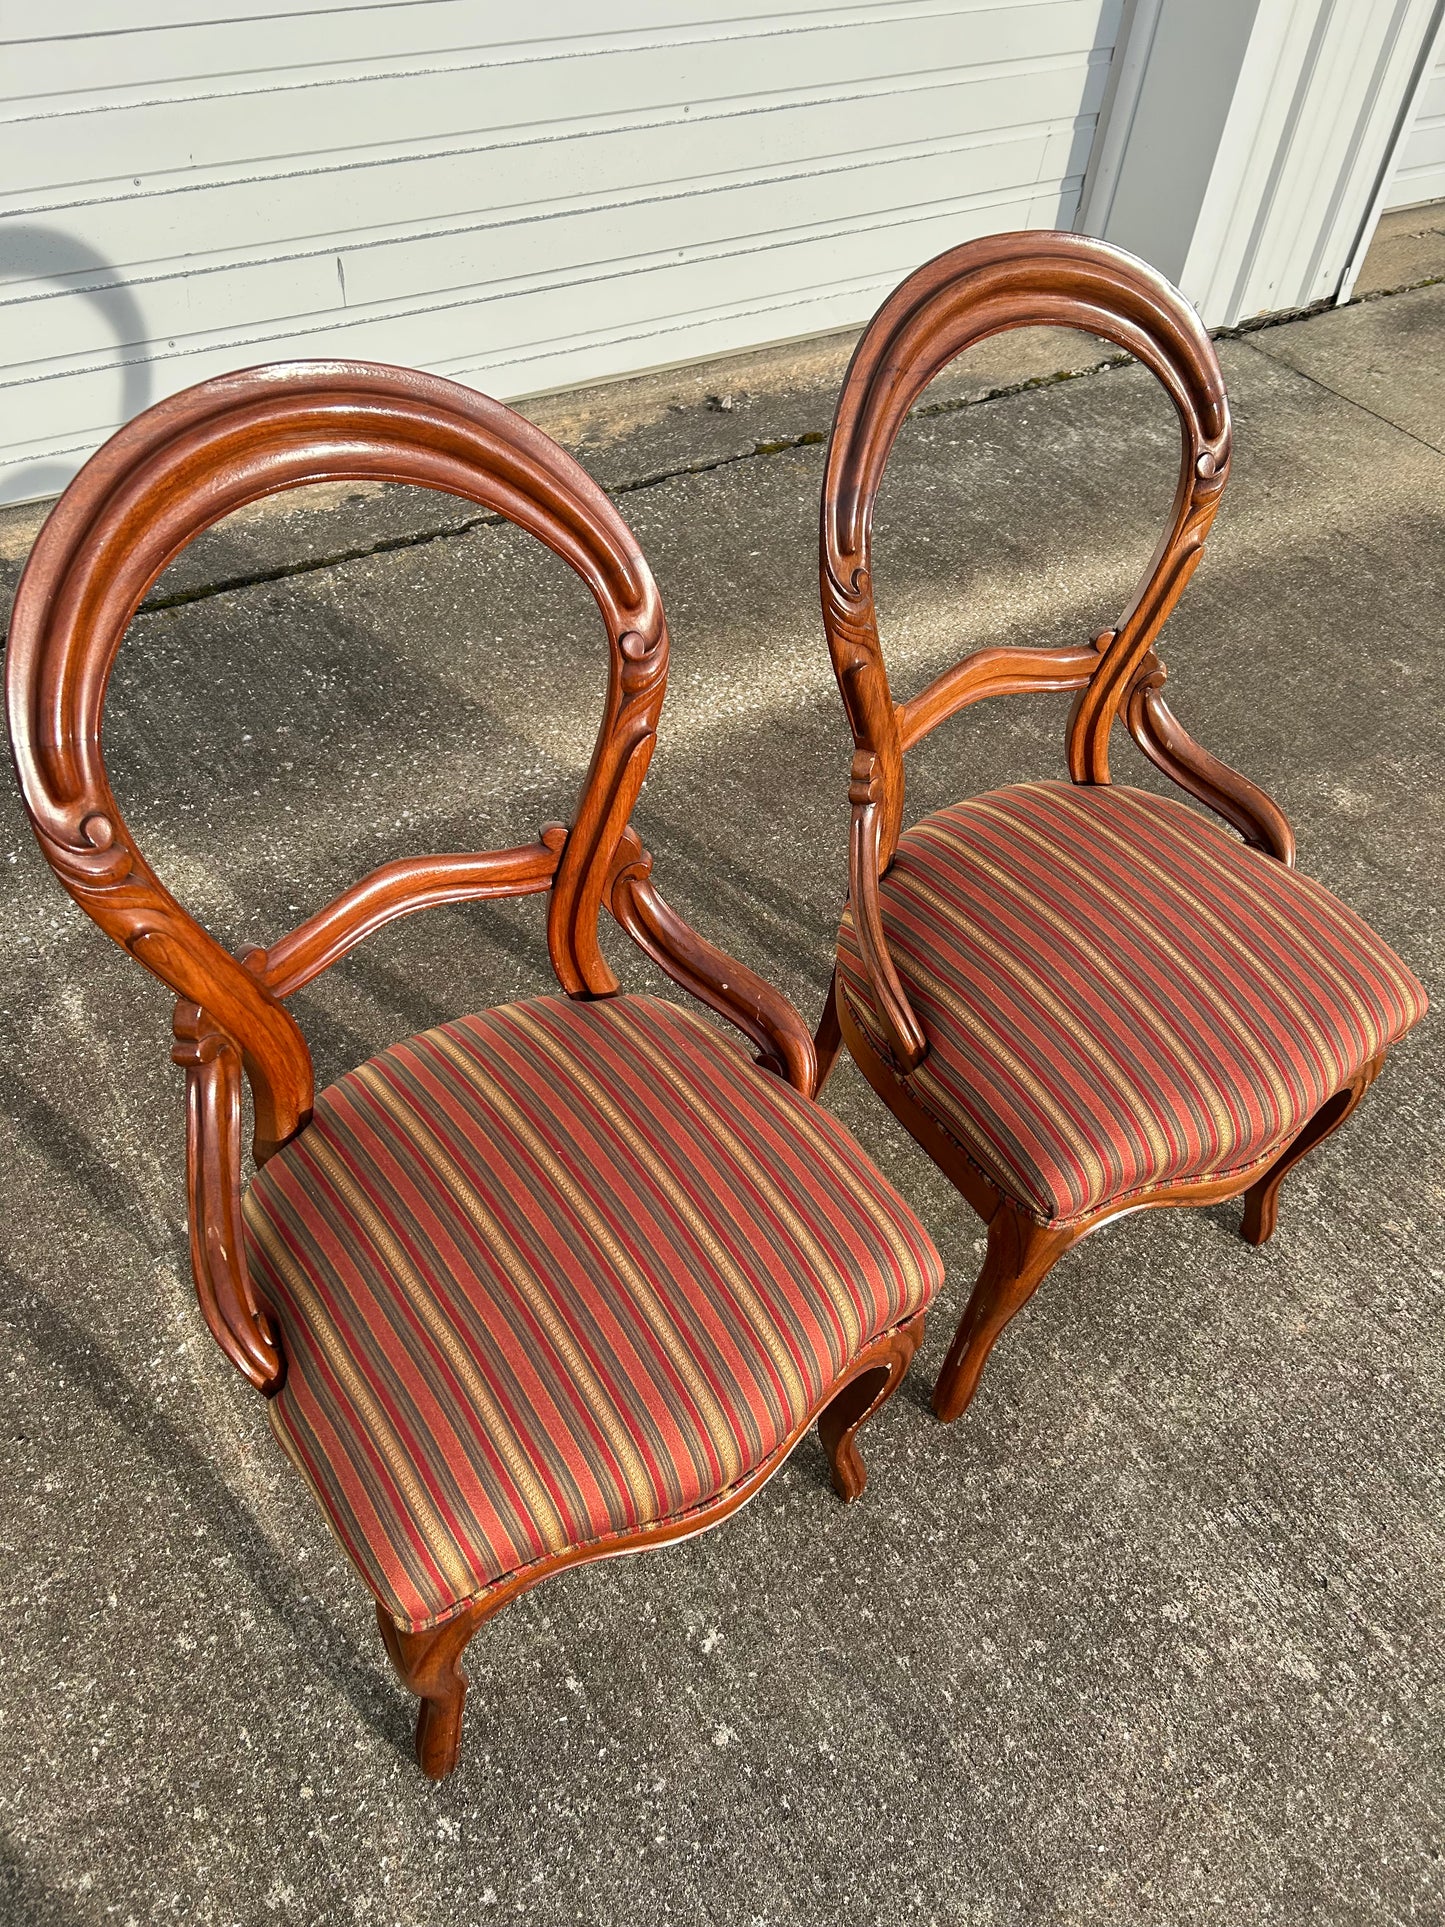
1170,747
229,1301
624,750
745,999
103,871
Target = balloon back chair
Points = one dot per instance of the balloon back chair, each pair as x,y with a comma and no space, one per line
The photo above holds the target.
549,1283
1081,999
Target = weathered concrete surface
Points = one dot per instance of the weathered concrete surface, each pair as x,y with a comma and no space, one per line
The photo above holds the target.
1153,1635
629,434
1385,355
1406,249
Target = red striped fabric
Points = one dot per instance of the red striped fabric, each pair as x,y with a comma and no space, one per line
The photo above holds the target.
1117,993
556,1271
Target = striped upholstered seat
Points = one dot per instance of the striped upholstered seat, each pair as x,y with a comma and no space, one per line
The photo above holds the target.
558,1271
1116,993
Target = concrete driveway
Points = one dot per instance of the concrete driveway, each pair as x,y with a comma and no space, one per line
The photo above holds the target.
1154,1634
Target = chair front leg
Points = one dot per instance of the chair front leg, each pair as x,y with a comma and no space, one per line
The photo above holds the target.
1261,1200
878,1374
1021,1253
429,1663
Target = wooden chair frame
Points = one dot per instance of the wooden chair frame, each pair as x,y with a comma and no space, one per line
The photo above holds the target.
171,473
984,288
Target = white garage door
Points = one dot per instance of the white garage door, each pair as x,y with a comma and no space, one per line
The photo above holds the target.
527,198
1420,170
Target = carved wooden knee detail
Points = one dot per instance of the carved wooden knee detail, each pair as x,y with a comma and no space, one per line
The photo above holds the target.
880,1372
429,1663
1261,1200
1021,1253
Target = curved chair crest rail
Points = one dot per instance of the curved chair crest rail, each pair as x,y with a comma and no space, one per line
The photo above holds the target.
516,1452
1045,1126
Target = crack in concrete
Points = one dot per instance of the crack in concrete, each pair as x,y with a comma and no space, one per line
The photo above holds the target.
422,538
812,437
1350,401
311,565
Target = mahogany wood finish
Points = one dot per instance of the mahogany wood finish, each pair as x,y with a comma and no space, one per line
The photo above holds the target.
174,471
395,890
867,1389
987,286
828,1041
725,985
1169,747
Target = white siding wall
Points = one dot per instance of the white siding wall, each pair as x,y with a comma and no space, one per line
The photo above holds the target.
523,197
1420,170
1314,117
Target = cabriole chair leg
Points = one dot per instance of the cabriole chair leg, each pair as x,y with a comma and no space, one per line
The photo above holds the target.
1261,1200
429,1663
1021,1253
868,1392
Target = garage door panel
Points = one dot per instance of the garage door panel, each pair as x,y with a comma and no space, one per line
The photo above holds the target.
562,214
370,201
1420,168
313,119
499,259
787,193
541,321
157,45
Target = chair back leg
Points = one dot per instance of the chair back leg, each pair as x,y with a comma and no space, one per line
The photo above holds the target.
828,1039
1261,1200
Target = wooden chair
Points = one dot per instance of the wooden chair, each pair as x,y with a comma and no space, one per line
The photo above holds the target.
561,1280
1081,1000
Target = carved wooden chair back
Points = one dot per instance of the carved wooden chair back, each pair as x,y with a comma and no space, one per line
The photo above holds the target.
600,1168
984,288
175,471
1008,281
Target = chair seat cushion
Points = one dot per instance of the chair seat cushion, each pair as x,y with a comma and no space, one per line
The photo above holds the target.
1116,993
549,1274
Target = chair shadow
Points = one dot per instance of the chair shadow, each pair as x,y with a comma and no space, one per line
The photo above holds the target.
68,1150
42,253
61,1340
27,1896
1226,1217
770,913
